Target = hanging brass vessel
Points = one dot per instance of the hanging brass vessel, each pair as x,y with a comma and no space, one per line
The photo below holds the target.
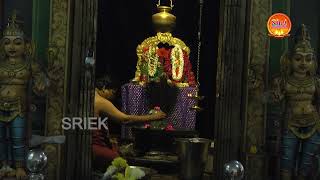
164,21
198,98
196,108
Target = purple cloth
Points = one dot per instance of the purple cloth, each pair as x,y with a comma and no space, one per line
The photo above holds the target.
134,101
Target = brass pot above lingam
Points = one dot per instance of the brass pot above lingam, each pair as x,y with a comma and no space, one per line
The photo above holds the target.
164,21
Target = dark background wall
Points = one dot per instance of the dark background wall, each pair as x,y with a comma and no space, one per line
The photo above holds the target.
122,25
24,9
300,12
307,12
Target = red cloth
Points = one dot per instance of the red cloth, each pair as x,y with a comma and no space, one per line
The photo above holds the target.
101,146
103,152
100,137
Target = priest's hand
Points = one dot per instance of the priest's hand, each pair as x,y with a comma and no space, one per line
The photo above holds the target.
158,115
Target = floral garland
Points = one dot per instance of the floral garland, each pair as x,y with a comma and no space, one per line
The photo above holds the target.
163,57
153,61
177,62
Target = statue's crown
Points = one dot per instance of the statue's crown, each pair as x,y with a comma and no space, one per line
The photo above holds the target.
13,28
302,40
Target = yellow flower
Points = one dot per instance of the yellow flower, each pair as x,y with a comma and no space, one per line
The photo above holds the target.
120,163
253,149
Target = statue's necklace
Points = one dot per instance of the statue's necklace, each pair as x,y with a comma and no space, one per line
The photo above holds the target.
12,68
301,84
306,82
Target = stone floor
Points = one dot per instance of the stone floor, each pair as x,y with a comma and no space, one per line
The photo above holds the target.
175,177
164,177
155,177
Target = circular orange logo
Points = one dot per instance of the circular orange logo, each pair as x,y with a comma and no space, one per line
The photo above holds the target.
279,25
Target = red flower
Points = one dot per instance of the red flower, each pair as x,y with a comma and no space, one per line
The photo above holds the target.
167,65
192,79
169,127
147,126
163,53
157,108
143,78
145,49
191,76
169,71
188,70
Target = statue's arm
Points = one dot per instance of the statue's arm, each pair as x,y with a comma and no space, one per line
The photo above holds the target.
39,79
277,94
317,93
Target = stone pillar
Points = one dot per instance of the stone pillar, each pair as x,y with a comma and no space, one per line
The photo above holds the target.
78,148
230,64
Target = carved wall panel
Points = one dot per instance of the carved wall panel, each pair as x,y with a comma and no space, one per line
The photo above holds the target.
57,60
258,54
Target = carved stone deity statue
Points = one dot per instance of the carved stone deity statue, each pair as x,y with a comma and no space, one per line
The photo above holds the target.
298,90
19,74
163,54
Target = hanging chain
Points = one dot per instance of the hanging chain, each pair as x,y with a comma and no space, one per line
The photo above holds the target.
199,42
198,63
159,3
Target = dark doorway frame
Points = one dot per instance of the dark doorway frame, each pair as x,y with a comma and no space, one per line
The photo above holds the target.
1,16
186,29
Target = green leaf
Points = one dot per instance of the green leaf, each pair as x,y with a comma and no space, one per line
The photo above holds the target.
134,173
119,176
127,171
